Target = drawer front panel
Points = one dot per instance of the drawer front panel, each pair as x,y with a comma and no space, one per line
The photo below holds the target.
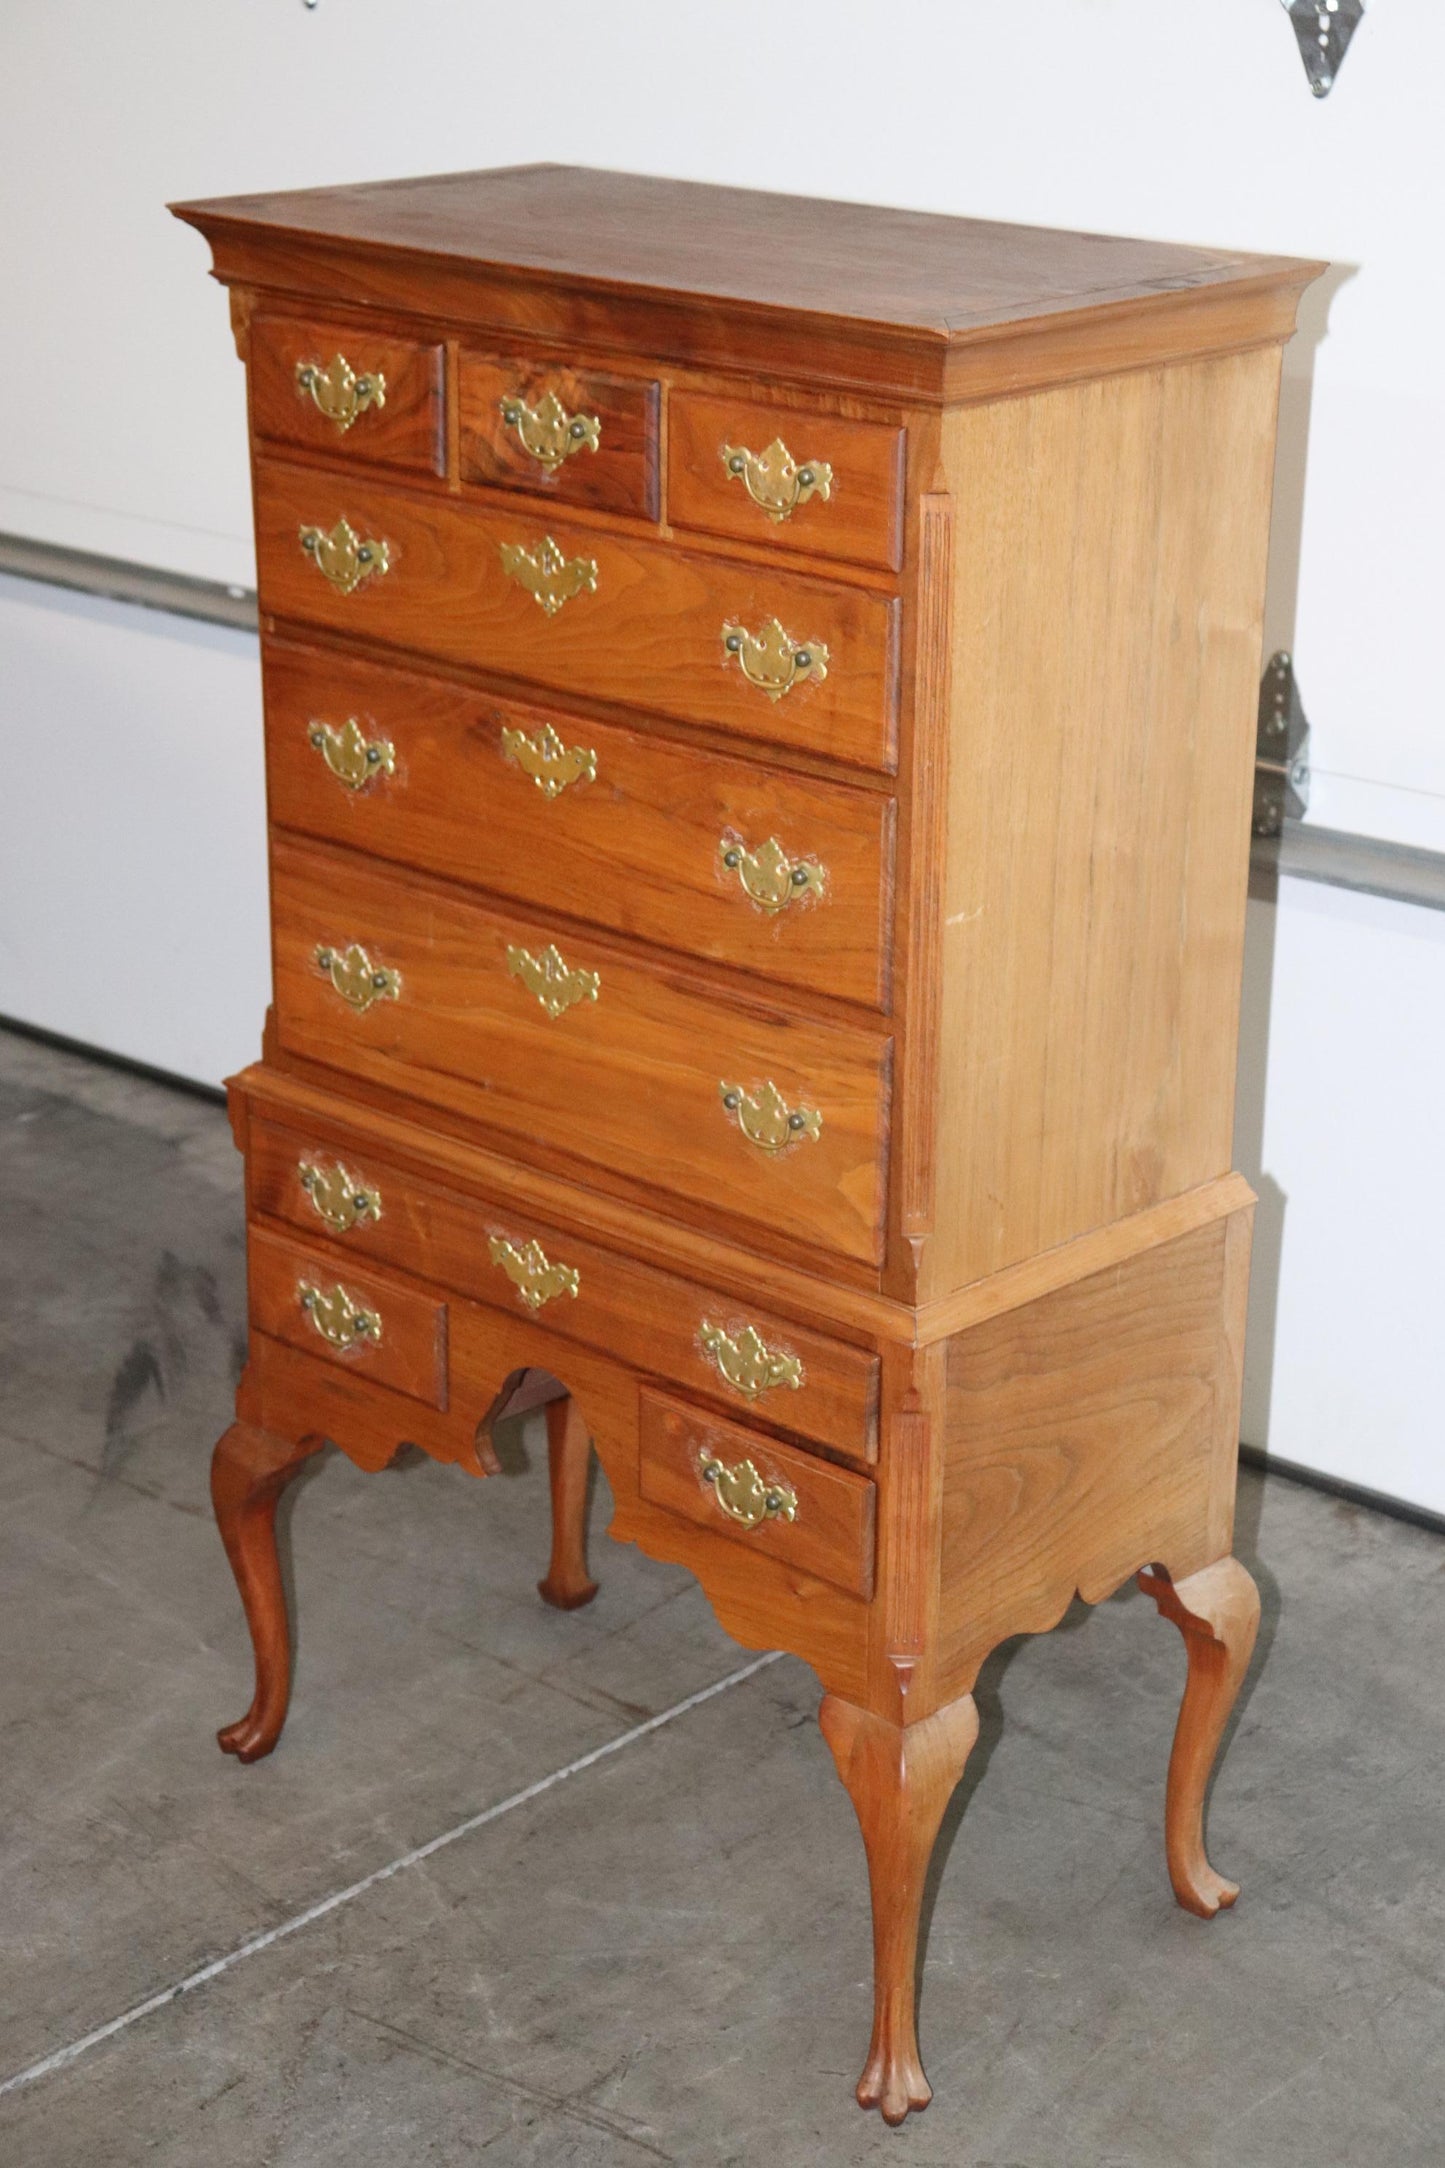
573,434
319,1302
649,631
454,1003
337,389
807,482
598,822
744,1486
787,1374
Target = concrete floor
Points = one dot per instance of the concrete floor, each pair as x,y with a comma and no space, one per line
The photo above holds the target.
663,1956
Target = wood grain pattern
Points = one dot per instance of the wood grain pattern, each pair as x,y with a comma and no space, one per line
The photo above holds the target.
639,848
861,518
404,432
631,1079
1106,652
409,1355
899,1780
766,285
648,1318
650,636
1217,1611
831,1537
1090,1433
620,476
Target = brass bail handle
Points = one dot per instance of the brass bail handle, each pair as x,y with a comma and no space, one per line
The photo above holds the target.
744,1495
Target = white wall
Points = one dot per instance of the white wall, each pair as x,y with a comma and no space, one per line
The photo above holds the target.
122,429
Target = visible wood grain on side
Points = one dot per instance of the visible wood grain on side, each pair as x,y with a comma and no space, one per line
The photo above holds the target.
927,862
1085,1437
638,847
409,1355
650,635
1110,549
652,1319
830,1536
630,1080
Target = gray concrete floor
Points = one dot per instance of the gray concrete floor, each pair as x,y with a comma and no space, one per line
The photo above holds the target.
662,1957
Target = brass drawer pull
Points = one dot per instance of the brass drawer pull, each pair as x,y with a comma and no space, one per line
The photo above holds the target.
550,764
775,481
551,978
766,1119
771,660
746,1361
549,578
340,1321
338,392
356,978
340,1199
744,1496
532,1273
547,432
769,877
353,758
343,558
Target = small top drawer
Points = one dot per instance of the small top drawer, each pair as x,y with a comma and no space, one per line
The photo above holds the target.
807,482
342,389
573,434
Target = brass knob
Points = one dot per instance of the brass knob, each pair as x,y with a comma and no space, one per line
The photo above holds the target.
343,558
338,392
771,659
340,1321
353,758
768,876
340,1199
744,1495
775,481
547,432
766,1119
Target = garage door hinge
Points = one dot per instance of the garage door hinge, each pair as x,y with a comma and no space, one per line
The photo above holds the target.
1281,750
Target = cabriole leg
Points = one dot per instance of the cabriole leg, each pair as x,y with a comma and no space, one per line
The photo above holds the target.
1217,1611
249,1471
569,1452
900,1780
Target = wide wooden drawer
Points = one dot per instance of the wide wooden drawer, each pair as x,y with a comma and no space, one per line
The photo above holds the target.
564,1041
337,1191
642,623
806,482
365,398
719,857
376,1325
578,435
746,1487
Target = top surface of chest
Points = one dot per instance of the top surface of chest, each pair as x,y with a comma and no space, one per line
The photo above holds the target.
739,279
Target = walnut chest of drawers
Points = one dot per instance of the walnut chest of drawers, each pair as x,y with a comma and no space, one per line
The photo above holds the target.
759,711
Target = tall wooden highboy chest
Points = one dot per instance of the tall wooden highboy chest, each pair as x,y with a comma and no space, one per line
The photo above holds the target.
759,715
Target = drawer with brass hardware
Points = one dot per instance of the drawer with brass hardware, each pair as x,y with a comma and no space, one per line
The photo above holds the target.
569,1044
757,651
714,855
807,482
368,398
574,434
359,1204
324,1304
747,1487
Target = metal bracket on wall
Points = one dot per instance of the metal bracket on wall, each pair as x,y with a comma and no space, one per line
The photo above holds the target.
1281,750
1324,29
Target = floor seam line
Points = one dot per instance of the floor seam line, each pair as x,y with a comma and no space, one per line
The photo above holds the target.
255,1944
